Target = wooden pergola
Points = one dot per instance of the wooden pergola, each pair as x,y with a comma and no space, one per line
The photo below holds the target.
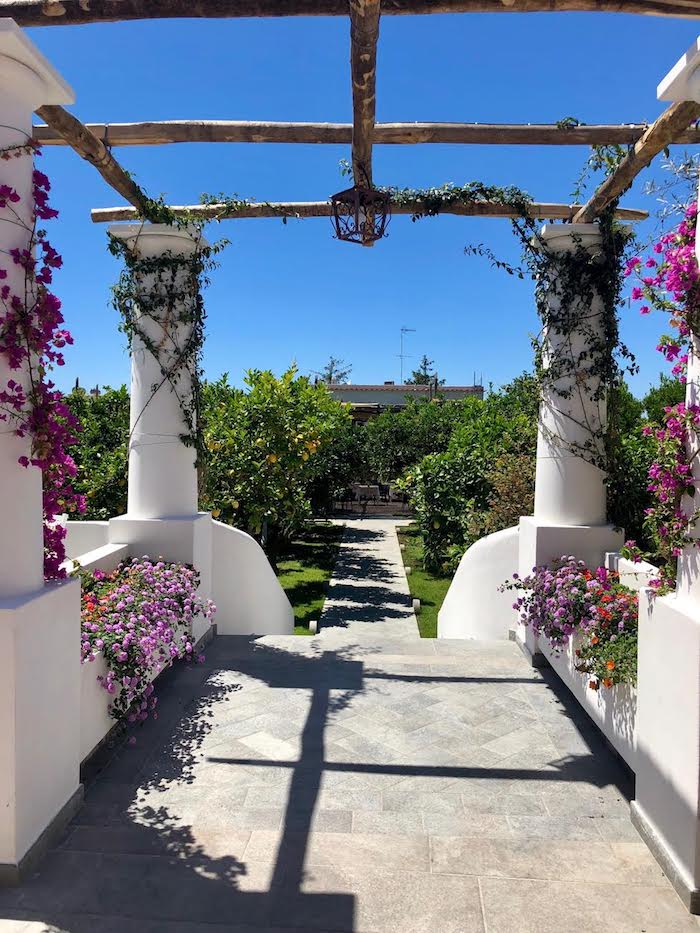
94,142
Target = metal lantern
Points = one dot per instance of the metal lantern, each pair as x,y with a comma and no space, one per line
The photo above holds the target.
360,215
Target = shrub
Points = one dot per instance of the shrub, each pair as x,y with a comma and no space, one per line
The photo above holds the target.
453,492
139,618
261,444
396,440
100,453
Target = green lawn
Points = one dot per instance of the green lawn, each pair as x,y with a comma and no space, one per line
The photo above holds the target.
304,568
430,588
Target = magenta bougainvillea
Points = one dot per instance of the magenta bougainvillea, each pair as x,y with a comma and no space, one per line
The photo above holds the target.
669,281
32,340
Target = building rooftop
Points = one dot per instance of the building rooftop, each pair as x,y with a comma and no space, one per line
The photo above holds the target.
356,387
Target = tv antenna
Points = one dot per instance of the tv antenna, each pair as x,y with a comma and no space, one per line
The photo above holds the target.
404,356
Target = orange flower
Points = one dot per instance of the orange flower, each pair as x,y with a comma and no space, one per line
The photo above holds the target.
594,639
607,682
593,684
610,665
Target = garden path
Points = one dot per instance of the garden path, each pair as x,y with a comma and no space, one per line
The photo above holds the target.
363,780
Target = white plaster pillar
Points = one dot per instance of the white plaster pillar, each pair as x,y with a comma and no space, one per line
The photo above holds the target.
162,471
688,582
666,810
39,624
26,82
570,493
570,490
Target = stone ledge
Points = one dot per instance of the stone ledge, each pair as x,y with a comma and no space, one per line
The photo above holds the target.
690,896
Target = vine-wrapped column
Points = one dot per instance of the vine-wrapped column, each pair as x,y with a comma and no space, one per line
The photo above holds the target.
569,483
162,324
26,83
570,493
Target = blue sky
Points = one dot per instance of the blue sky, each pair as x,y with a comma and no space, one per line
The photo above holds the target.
291,292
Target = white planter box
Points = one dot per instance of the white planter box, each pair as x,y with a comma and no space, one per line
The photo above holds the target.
613,710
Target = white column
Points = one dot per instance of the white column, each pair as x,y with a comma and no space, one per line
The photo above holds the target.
688,582
162,471
39,624
666,810
26,82
570,490
570,495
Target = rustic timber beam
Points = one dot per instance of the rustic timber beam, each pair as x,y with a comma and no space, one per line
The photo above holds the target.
323,209
76,12
94,151
364,35
660,134
157,133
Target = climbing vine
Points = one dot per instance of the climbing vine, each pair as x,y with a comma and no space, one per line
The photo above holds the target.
32,340
579,356
166,291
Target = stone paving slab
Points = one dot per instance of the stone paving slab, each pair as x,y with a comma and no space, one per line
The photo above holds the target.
364,780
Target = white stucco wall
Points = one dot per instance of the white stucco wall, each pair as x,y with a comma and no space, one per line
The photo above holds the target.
473,606
82,537
248,595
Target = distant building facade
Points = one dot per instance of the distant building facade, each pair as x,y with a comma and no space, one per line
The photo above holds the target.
368,401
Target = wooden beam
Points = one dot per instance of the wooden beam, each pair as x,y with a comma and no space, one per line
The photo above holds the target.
672,122
323,209
91,149
364,35
158,133
74,12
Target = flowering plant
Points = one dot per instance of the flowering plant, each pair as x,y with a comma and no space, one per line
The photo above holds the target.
139,617
669,281
32,339
568,599
672,285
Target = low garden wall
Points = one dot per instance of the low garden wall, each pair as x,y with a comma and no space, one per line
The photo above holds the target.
613,709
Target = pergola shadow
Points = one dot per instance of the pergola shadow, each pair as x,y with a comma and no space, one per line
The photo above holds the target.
138,864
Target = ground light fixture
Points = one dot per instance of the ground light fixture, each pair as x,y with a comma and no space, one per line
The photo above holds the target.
360,215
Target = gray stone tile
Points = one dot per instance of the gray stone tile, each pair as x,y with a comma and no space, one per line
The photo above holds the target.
350,798
543,859
389,853
387,903
556,907
387,823
617,829
421,801
472,825
555,827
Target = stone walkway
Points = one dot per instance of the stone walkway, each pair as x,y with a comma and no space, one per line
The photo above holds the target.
363,780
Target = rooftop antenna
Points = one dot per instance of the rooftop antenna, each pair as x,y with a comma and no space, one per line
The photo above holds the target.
402,356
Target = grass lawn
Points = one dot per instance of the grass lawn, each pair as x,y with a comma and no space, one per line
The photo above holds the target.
430,588
304,568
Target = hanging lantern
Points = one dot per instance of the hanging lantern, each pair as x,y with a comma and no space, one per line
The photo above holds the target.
360,215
